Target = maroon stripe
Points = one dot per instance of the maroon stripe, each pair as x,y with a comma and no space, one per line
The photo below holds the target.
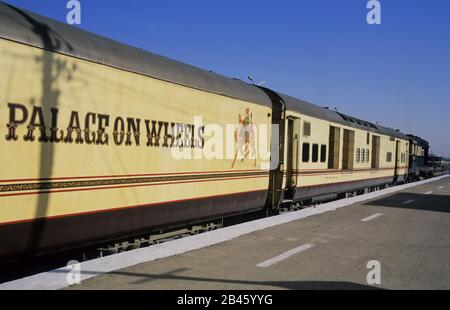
346,182
130,186
125,208
332,172
127,175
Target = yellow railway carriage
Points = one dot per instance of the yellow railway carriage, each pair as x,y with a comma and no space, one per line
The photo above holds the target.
101,141
332,153
325,154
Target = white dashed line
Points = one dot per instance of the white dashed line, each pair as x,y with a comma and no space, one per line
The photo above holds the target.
408,202
429,193
284,256
372,217
441,187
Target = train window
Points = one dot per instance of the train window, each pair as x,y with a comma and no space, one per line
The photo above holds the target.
323,153
306,129
358,155
389,157
305,152
368,138
363,156
367,155
315,153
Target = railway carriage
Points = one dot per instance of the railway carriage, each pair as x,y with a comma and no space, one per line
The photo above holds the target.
327,154
91,131
103,141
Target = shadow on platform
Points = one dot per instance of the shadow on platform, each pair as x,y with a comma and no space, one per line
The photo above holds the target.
144,278
433,203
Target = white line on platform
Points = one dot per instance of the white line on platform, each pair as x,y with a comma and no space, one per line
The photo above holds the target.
284,256
57,279
441,187
429,193
372,217
408,202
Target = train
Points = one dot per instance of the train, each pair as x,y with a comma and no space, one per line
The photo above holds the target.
102,141
422,164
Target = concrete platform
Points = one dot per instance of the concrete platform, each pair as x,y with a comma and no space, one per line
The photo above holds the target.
407,230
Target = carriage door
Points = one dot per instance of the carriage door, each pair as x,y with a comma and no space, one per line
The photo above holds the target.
293,130
348,154
397,160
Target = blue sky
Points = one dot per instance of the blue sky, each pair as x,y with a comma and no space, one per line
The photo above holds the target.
323,51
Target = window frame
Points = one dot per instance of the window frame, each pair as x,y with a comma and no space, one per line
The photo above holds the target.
389,157
306,154
323,153
315,153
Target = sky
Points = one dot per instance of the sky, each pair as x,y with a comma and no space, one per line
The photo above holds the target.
322,51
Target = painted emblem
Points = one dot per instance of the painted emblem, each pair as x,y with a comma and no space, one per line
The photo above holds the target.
245,138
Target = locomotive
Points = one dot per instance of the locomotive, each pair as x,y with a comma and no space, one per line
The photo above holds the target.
421,163
95,135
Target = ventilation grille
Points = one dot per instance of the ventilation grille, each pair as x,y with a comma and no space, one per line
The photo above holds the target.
307,129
